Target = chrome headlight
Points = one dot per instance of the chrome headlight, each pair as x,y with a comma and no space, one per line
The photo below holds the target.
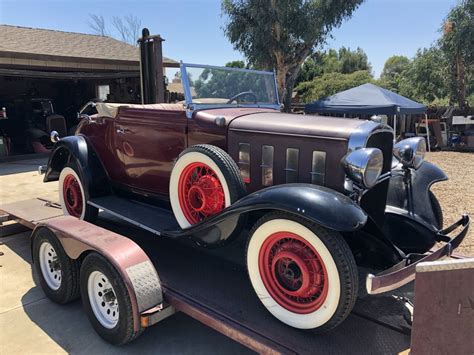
410,151
364,166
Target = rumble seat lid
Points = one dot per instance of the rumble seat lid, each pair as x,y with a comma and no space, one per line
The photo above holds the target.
106,109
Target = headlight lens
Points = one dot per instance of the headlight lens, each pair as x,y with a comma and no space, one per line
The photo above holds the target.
364,166
410,152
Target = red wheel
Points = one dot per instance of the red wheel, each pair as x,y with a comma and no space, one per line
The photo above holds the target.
201,193
72,195
304,274
203,182
293,272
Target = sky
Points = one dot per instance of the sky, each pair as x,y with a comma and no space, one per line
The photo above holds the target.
193,28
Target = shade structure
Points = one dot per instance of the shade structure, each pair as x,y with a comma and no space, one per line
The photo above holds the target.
366,99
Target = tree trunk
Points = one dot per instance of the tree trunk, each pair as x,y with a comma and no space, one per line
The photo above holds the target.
461,81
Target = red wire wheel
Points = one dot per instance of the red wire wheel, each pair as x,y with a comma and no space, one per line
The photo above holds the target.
72,196
200,193
293,272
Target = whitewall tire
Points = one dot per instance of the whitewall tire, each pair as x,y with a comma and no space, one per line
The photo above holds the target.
203,182
303,274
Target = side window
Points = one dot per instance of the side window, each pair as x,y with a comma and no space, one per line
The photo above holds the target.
292,157
244,161
267,165
318,168
103,91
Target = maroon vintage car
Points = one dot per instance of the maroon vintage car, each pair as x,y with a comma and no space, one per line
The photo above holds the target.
315,196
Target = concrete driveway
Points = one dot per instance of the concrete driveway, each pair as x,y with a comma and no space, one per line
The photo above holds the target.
30,323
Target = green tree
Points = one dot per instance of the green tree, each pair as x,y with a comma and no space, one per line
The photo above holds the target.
331,61
236,64
393,72
280,34
330,83
457,43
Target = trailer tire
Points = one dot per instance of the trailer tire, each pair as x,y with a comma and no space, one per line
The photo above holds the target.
61,286
106,300
73,196
304,274
204,181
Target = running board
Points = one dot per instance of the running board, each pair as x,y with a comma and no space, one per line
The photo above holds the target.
151,218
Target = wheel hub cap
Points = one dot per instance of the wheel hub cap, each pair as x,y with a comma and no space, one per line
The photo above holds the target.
293,272
200,192
72,196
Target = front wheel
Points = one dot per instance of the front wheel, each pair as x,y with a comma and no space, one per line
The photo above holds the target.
304,274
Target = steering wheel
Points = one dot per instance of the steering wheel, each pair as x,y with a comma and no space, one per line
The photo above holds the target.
243,93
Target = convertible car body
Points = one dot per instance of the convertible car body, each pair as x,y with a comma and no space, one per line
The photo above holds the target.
314,195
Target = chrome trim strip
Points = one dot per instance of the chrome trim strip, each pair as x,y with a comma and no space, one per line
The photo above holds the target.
190,65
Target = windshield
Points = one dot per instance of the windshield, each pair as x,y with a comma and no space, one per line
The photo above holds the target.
228,86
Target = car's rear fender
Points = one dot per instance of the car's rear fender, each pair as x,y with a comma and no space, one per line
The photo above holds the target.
91,171
317,204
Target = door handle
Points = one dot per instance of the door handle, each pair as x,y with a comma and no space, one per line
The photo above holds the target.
120,130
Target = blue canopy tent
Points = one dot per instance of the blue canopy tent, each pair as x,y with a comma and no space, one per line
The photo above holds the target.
367,99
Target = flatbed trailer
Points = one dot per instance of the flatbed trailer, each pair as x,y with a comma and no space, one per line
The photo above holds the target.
212,287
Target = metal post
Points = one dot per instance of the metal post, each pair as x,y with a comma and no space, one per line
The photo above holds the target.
394,129
427,127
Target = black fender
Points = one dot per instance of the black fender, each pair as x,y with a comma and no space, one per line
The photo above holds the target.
417,202
410,220
317,204
91,170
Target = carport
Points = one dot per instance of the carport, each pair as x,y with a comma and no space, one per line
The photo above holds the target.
65,68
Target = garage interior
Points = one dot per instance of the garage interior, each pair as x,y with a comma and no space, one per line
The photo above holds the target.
52,73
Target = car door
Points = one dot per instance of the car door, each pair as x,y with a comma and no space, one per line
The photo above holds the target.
147,143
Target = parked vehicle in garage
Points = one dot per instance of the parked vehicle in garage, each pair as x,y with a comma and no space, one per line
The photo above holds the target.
30,119
320,195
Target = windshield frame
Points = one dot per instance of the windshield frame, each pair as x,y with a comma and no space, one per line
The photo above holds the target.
193,106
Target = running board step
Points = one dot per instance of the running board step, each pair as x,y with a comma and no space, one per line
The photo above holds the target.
151,218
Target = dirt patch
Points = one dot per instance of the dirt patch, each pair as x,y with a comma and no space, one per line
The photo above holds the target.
456,195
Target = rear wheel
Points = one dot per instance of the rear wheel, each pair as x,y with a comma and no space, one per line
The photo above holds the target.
204,181
106,300
304,274
72,195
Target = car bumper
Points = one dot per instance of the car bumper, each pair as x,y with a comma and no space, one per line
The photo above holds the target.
404,272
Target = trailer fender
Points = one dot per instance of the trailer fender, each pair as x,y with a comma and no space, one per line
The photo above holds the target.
78,237
91,170
317,204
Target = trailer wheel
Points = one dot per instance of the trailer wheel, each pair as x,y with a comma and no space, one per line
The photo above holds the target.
304,274
204,181
106,300
58,274
72,195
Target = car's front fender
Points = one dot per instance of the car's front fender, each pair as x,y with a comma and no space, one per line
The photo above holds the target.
417,201
317,204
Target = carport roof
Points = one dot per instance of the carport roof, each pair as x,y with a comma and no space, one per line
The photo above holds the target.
42,44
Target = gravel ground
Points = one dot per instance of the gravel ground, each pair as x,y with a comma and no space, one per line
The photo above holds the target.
456,195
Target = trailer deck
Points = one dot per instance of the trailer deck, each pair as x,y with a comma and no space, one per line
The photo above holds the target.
212,286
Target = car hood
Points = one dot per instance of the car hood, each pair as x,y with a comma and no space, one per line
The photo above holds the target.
295,125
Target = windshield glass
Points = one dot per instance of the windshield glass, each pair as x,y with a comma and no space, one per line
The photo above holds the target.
233,86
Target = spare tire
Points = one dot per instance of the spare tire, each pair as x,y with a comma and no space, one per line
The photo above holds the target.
204,181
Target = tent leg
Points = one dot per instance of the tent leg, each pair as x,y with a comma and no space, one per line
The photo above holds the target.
394,129
427,127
